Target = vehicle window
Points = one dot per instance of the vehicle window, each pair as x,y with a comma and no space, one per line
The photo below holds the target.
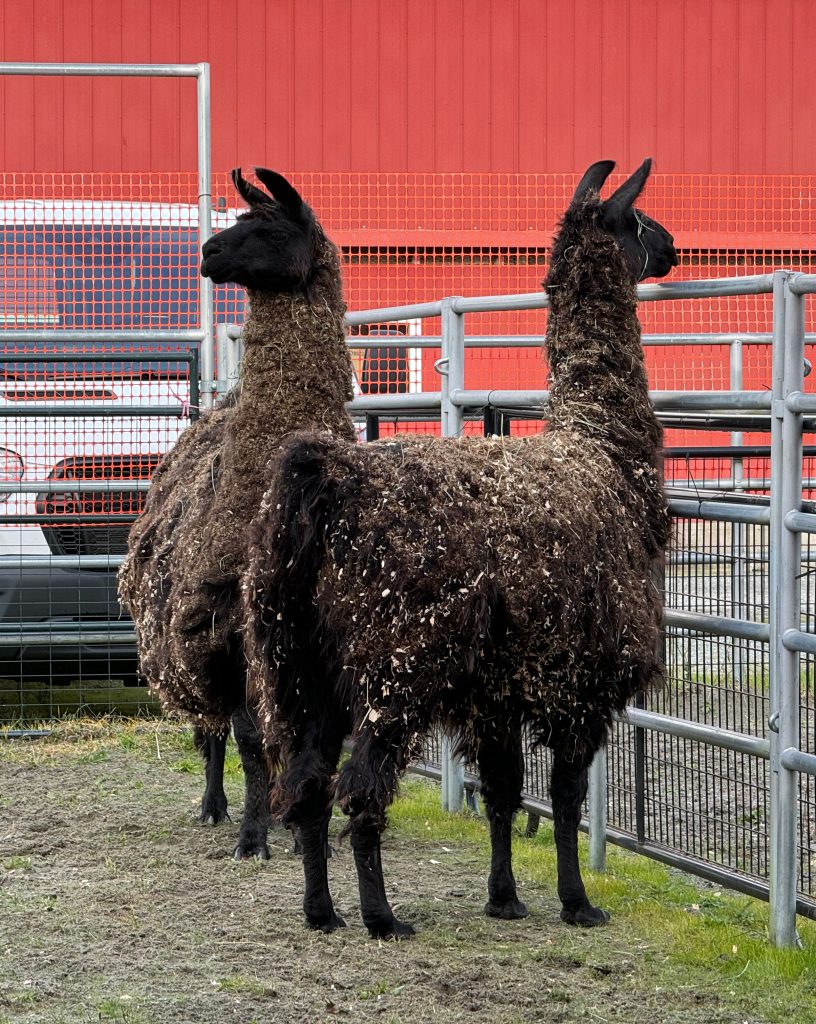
28,294
115,276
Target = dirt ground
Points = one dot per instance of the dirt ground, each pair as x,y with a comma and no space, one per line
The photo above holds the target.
116,905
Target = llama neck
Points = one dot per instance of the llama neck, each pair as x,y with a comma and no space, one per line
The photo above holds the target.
598,378
296,369
296,374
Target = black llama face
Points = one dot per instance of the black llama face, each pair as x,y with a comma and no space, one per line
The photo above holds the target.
647,245
272,247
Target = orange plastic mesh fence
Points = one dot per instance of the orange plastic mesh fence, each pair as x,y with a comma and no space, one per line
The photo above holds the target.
414,237
120,250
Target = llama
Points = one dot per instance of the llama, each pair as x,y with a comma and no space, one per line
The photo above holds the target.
478,584
180,579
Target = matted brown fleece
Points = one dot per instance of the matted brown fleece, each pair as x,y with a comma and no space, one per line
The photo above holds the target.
189,546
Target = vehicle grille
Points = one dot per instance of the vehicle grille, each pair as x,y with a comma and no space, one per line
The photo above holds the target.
94,523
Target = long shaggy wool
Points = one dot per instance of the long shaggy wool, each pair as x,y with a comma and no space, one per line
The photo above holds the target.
189,546
462,581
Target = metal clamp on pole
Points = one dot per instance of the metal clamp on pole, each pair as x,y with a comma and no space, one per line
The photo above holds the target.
439,363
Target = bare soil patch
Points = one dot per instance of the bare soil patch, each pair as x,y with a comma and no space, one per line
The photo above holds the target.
116,905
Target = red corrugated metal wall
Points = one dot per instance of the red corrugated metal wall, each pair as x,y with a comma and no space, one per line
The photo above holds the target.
432,85
438,139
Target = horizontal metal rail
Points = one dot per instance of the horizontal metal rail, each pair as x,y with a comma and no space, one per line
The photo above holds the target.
802,284
801,522
689,508
90,410
748,483
404,341
797,640
98,356
711,734
234,331
429,400
91,639
798,761
112,70
719,625
73,626
754,284
60,562
751,284
538,340
97,334
798,401
389,314
109,486
674,400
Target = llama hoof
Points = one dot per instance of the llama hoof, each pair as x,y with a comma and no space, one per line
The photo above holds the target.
585,917
512,910
250,850
213,817
327,925
392,929
214,810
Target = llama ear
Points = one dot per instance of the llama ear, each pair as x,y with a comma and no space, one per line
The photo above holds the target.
287,195
593,179
624,198
251,195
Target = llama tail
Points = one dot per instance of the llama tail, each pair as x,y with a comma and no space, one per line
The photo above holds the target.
287,548
305,495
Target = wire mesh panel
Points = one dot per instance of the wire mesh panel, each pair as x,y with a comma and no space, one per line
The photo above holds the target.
83,434
85,420
415,237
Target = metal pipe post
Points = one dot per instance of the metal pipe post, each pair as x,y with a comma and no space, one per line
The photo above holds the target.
774,534
229,353
206,312
786,495
453,777
451,368
739,586
597,812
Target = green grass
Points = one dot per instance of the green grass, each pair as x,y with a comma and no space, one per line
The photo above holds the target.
17,863
689,933
243,985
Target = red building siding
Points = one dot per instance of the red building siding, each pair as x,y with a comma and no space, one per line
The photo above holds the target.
396,85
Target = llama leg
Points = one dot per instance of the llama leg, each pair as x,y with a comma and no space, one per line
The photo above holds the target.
212,750
317,901
501,768
255,822
302,798
568,787
365,788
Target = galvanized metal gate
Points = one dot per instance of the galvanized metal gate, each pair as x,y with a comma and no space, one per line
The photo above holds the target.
735,726
96,383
